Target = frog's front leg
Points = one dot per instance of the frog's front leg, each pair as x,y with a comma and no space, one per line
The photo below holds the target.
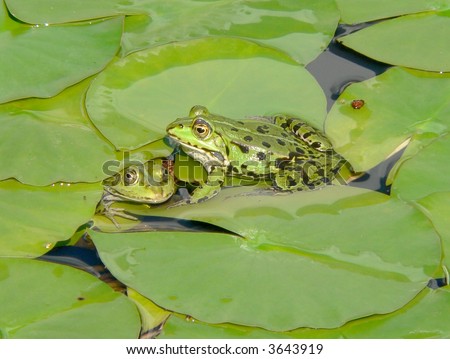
206,190
104,208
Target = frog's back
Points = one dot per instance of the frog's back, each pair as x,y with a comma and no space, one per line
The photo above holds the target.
260,134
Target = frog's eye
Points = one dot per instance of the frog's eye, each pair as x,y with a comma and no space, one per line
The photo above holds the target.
201,128
130,177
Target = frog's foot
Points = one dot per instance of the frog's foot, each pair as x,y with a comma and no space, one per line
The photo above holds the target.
110,213
104,208
117,212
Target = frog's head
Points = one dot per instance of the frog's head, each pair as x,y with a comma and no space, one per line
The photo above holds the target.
151,182
198,132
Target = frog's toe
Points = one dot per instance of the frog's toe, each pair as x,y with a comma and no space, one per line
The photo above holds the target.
113,220
118,212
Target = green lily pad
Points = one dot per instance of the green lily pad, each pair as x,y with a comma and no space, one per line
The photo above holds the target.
152,316
41,61
422,318
419,41
45,300
63,11
286,269
50,140
424,173
302,29
135,98
355,11
436,207
393,112
34,219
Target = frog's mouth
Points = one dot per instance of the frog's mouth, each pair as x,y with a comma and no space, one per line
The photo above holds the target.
206,158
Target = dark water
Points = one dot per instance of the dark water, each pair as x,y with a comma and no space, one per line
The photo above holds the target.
335,69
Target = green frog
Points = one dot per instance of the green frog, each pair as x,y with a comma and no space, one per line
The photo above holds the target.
149,183
287,151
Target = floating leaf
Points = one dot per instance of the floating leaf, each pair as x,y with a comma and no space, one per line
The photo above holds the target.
419,41
45,300
282,272
41,61
392,113
35,218
422,318
436,206
134,99
424,173
302,29
50,140
62,11
355,11
152,316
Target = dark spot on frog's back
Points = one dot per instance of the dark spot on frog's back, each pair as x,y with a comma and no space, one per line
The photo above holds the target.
266,144
261,156
297,127
248,138
262,129
281,142
240,122
233,169
292,155
234,129
242,147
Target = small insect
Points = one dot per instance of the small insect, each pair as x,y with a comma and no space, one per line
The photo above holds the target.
357,104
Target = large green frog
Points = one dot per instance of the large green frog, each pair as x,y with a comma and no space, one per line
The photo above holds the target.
149,183
285,150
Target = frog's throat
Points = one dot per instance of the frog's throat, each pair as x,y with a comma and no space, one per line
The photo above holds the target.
207,158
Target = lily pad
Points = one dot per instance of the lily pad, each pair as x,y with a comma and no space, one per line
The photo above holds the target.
45,300
34,218
418,41
152,316
63,11
422,318
41,61
354,11
135,98
436,207
373,256
391,114
302,29
50,140
424,173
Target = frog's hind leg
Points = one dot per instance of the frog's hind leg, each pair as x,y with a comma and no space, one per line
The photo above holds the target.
301,175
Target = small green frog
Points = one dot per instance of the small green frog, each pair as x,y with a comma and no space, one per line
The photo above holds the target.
285,150
149,183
